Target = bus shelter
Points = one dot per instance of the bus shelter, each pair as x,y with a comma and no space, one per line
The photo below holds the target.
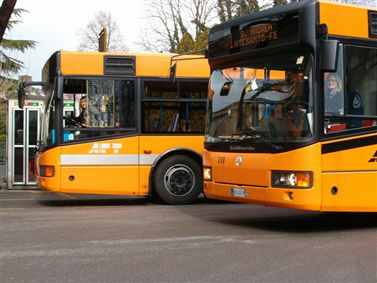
23,127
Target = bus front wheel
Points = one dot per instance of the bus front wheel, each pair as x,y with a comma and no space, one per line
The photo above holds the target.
178,180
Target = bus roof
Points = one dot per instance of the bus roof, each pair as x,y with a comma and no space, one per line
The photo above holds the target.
135,64
341,18
292,27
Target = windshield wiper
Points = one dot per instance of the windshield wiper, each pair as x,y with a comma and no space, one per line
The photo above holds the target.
259,136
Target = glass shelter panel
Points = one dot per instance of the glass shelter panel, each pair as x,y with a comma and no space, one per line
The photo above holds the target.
19,127
33,123
19,165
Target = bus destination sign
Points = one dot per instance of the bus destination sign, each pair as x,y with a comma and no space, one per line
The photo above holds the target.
253,35
260,34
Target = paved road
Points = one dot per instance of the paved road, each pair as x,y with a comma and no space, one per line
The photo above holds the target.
58,238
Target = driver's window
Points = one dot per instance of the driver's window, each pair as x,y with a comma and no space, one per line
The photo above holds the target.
351,103
96,107
333,84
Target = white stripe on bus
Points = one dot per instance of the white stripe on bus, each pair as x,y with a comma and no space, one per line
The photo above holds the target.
107,159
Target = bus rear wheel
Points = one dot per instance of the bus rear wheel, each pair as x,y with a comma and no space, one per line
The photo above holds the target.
178,180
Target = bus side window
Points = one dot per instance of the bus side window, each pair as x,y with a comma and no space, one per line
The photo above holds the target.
360,90
334,98
361,85
174,107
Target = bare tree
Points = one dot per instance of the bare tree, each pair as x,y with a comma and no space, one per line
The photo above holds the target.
6,11
176,25
90,34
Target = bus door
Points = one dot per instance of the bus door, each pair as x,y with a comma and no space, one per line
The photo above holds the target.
24,136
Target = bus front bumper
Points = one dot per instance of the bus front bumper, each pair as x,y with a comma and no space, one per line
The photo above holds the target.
307,199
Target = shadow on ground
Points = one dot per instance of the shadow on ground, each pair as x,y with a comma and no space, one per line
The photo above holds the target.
282,219
61,200
299,223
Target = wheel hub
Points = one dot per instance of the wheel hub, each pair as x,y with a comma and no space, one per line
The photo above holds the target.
179,180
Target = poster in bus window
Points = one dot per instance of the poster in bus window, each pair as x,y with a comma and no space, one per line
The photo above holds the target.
100,96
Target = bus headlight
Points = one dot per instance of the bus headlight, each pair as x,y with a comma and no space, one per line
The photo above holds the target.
207,173
291,179
46,171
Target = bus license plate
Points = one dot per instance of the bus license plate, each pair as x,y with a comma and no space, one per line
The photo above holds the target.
238,192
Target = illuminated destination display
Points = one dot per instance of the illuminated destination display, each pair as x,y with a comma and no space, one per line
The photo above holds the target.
245,36
255,34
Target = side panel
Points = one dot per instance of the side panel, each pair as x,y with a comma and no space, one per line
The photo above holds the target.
151,147
349,179
106,167
110,167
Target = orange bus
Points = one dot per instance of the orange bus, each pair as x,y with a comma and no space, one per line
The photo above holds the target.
292,108
117,124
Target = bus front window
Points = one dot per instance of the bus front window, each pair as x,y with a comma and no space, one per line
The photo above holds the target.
271,99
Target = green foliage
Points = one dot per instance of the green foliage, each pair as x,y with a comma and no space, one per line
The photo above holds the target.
8,64
17,45
280,2
186,44
16,13
201,41
228,9
3,117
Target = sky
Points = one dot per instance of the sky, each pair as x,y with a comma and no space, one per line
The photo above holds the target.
55,26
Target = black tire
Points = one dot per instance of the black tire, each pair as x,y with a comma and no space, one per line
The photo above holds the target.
178,180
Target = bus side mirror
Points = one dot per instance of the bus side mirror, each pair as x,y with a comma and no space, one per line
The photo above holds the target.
329,55
21,95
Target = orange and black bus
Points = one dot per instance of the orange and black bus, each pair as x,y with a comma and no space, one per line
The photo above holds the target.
292,108
118,124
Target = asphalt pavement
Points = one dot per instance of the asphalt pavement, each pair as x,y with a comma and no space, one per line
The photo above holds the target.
47,237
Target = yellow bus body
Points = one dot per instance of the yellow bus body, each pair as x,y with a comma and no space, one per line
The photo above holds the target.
78,168
351,172
341,19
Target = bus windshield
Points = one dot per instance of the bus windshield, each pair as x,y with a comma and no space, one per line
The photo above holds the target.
270,100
